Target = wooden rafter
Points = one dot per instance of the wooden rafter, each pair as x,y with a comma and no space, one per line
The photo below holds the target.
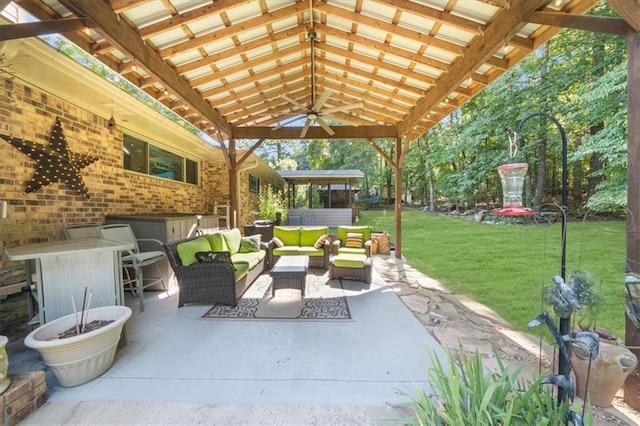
125,38
341,132
33,29
504,27
601,24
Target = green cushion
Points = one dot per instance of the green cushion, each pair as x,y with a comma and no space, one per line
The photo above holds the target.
287,251
250,244
252,259
364,230
187,250
216,241
289,236
241,269
309,236
310,251
356,261
232,237
347,250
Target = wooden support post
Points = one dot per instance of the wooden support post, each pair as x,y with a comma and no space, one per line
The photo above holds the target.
233,185
632,334
398,195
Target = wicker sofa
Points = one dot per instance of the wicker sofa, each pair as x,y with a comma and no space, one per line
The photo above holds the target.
300,241
218,282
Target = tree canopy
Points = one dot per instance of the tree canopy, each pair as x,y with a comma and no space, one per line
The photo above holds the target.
577,77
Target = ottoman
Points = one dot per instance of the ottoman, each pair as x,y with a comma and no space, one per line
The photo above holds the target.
290,272
354,266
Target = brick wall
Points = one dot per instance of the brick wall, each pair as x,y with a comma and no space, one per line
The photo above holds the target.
28,113
27,392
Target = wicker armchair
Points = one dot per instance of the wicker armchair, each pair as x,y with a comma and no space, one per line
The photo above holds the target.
208,283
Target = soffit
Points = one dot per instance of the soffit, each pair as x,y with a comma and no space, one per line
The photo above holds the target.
403,63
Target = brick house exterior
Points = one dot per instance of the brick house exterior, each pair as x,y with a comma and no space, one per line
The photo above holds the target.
29,112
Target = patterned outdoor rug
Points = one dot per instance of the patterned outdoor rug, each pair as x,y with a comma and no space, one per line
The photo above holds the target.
324,300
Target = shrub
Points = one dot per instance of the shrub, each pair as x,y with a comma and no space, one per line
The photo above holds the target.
464,393
271,202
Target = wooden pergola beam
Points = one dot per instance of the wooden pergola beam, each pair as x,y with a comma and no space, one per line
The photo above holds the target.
34,29
629,10
127,40
506,25
314,132
600,24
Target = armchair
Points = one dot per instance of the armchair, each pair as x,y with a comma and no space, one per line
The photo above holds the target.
341,246
135,259
353,258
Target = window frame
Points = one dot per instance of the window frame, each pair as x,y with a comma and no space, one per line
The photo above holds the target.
185,169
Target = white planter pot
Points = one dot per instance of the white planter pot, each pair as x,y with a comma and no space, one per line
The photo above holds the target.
79,359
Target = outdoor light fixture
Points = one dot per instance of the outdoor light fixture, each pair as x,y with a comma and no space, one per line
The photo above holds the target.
111,124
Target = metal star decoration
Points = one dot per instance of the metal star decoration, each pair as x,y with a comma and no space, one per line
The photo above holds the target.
55,163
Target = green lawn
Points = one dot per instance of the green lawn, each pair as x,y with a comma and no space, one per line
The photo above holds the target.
506,266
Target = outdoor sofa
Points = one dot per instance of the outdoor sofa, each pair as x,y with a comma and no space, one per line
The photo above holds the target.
312,241
228,265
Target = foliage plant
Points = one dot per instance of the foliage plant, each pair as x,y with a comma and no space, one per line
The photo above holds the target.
465,393
271,202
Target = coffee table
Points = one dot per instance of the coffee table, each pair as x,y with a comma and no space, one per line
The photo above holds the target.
289,272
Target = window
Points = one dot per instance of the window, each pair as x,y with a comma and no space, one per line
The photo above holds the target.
143,157
254,184
135,155
191,171
165,164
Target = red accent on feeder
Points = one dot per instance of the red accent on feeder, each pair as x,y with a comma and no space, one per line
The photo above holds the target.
513,211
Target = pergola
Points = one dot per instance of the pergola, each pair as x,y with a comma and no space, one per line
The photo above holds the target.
293,69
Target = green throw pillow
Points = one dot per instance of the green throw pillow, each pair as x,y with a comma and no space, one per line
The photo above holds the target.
309,235
187,250
232,238
216,241
250,244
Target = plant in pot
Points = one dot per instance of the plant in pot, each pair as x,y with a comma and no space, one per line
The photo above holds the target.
81,346
602,376
270,203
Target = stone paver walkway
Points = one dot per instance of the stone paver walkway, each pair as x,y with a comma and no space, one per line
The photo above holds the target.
456,320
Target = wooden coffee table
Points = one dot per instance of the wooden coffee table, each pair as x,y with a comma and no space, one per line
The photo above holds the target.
290,272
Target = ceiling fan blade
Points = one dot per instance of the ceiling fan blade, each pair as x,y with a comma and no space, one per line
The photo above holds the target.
284,123
340,120
294,102
343,108
305,128
321,100
325,126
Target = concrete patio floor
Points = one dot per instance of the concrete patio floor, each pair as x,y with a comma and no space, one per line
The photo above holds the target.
181,369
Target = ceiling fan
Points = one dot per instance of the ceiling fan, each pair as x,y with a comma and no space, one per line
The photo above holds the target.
315,114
